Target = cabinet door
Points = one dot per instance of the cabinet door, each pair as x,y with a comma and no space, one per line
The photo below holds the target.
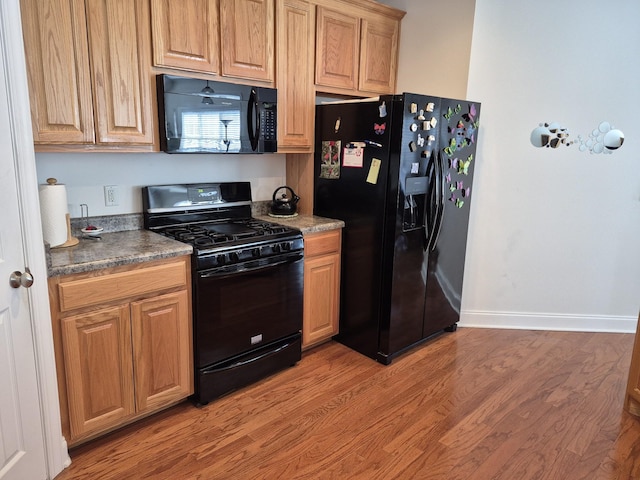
321,302
99,372
321,287
185,34
247,31
378,55
119,46
337,49
57,57
161,329
296,96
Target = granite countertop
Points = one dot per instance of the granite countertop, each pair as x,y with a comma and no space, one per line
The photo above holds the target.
115,248
112,250
305,223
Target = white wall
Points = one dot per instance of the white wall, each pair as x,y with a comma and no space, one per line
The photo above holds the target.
435,44
86,174
554,233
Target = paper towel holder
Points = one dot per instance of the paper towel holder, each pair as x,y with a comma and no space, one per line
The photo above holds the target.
71,240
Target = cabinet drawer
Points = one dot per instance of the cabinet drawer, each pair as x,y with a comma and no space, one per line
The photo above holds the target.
98,290
322,243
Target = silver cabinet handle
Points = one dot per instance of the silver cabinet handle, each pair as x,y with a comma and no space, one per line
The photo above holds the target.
19,279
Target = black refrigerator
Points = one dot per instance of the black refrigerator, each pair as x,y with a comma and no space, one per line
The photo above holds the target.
398,171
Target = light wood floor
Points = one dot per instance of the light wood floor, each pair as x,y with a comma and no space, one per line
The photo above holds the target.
477,404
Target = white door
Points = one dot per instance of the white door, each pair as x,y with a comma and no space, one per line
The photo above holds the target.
22,454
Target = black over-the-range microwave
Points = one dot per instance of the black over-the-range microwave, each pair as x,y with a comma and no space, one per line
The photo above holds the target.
203,116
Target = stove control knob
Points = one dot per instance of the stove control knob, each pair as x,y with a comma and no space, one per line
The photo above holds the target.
221,259
275,248
286,246
234,256
255,252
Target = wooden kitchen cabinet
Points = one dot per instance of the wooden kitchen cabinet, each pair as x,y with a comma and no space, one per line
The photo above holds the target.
88,67
321,287
337,49
229,38
98,361
378,55
296,94
57,58
247,37
356,51
123,344
632,398
161,333
356,47
186,34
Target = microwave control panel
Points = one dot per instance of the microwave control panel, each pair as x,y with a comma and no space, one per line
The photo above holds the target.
268,124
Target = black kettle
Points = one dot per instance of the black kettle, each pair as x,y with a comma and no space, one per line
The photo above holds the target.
284,203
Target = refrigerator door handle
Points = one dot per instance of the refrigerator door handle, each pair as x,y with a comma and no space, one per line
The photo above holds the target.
440,216
432,206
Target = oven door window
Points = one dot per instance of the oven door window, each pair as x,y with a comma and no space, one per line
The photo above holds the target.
236,312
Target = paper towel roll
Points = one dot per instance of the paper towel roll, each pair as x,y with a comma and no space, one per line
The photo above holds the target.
53,211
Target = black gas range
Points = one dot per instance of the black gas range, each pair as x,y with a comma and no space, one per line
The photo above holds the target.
247,282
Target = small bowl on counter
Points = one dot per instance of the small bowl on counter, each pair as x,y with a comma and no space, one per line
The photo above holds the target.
92,231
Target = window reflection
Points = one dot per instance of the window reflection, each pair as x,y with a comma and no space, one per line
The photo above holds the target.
217,131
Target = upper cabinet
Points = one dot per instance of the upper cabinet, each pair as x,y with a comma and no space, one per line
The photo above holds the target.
230,38
120,70
337,49
57,56
378,55
91,64
88,67
296,94
247,30
356,47
186,34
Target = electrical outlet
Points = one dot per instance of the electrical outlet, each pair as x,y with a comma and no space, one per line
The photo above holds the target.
111,195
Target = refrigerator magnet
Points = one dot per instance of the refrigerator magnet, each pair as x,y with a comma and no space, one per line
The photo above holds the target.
421,115
330,166
382,108
426,125
420,140
374,171
415,168
353,156
426,154
336,127
430,107
414,127
412,146
379,128
413,108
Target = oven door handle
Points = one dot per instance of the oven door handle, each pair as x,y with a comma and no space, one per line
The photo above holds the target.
242,363
242,268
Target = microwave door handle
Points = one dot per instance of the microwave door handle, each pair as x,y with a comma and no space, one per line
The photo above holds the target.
254,127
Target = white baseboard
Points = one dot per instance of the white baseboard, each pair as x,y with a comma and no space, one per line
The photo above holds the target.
548,321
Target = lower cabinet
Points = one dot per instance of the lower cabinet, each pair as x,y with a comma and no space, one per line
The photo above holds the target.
632,398
123,351
321,287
